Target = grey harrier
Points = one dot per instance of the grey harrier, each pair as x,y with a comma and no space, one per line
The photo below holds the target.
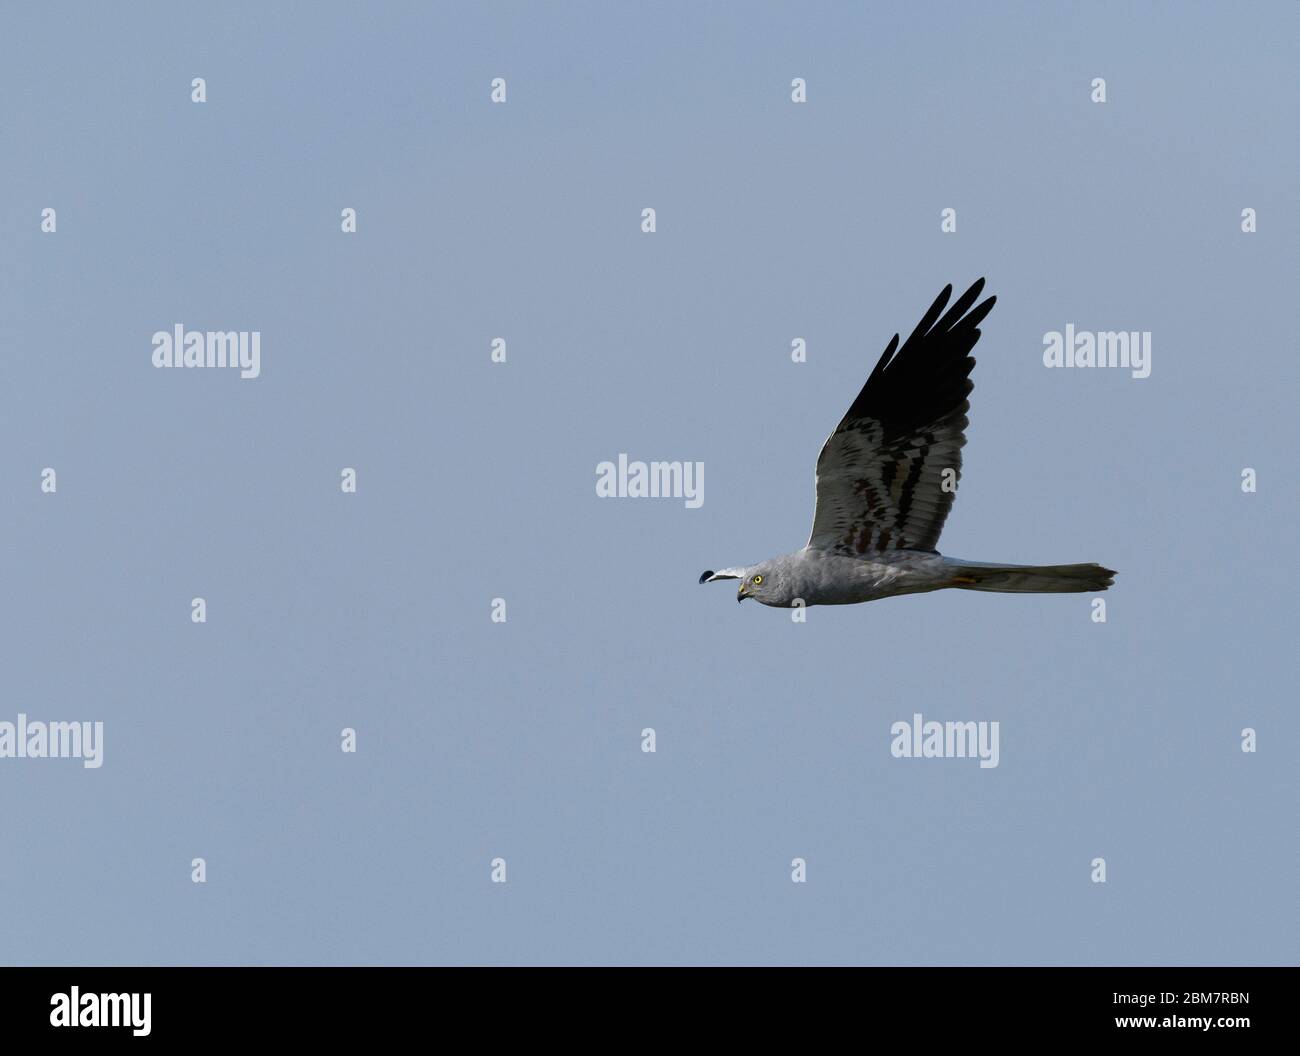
886,479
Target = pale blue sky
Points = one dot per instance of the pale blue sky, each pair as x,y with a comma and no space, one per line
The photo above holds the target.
476,481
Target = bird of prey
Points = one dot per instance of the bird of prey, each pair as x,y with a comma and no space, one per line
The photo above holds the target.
885,482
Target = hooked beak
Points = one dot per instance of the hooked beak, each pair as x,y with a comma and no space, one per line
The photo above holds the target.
740,594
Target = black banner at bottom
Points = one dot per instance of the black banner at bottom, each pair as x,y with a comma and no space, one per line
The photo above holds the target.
339,1005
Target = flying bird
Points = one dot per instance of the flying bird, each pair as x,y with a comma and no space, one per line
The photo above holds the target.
886,478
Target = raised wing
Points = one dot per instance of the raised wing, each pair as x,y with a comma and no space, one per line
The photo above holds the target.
880,475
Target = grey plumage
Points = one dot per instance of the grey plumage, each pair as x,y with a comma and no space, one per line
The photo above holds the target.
886,479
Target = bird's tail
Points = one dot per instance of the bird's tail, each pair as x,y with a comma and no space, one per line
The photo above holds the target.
1031,579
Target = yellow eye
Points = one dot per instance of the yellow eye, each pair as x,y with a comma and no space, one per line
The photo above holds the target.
758,580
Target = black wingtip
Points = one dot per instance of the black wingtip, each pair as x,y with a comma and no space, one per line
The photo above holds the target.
704,576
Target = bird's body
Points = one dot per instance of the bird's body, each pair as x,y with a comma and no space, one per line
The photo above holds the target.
818,577
886,478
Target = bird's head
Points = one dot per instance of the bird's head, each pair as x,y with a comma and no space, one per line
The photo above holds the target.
759,583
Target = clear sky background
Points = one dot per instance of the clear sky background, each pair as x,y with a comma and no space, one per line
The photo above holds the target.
476,480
